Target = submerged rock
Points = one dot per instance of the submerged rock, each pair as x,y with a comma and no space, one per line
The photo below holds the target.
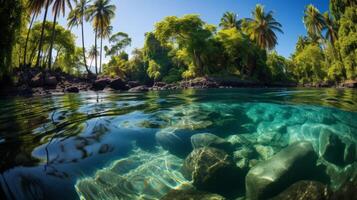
210,140
265,152
332,148
191,195
350,154
347,191
176,142
213,170
291,164
140,176
309,190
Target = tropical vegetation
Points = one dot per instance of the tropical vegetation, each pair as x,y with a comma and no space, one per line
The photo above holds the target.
179,47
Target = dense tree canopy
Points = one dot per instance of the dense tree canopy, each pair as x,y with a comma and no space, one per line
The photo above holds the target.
181,47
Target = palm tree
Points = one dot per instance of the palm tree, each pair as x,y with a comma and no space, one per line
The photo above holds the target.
105,33
58,7
36,6
92,54
262,27
331,28
229,20
100,13
76,18
34,9
314,22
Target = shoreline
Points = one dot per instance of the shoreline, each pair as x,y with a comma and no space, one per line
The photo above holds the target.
42,83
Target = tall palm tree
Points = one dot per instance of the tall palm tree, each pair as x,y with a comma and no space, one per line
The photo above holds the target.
58,7
331,28
76,18
262,27
230,20
314,22
36,6
106,33
92,54
100,13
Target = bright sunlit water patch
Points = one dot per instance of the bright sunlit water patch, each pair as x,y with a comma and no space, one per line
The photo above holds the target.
112,145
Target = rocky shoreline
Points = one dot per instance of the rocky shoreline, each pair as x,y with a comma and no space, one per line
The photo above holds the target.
35,82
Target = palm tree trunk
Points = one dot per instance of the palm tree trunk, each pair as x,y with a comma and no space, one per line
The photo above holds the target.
42,34
52,40
27,38
101,50
84,49
95,46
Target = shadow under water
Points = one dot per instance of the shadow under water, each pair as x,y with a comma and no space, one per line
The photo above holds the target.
133,145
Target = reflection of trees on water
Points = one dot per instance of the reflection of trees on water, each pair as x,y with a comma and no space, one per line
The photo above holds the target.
59,126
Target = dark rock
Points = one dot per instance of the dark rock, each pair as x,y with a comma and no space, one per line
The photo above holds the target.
37,81
118,84
350,154
347,191
159,84
132,84
213,170
72,89
332,148
142,88
177,142
350,84
191,195
210,140
269,178
100,84
309,190
51,81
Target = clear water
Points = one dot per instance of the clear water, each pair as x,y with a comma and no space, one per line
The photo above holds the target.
102,145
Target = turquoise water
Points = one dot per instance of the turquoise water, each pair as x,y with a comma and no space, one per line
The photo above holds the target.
105,145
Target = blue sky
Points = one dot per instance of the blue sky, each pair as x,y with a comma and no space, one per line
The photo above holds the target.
136,17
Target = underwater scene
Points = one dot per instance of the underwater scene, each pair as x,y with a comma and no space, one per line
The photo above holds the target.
185,144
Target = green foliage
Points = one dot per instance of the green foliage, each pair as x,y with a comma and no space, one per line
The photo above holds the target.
338,7
117,66
11,19
64,43
262,27
118,42
190,33
154,70
347,41
278,66
310,64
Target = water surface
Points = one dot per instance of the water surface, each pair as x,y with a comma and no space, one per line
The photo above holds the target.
74,145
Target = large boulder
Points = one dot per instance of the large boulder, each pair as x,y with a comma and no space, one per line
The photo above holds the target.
213,170
142,88
191,195
311,190
347,191
118,84
51,81
210,140
100,84
332,148
176,142
268,178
